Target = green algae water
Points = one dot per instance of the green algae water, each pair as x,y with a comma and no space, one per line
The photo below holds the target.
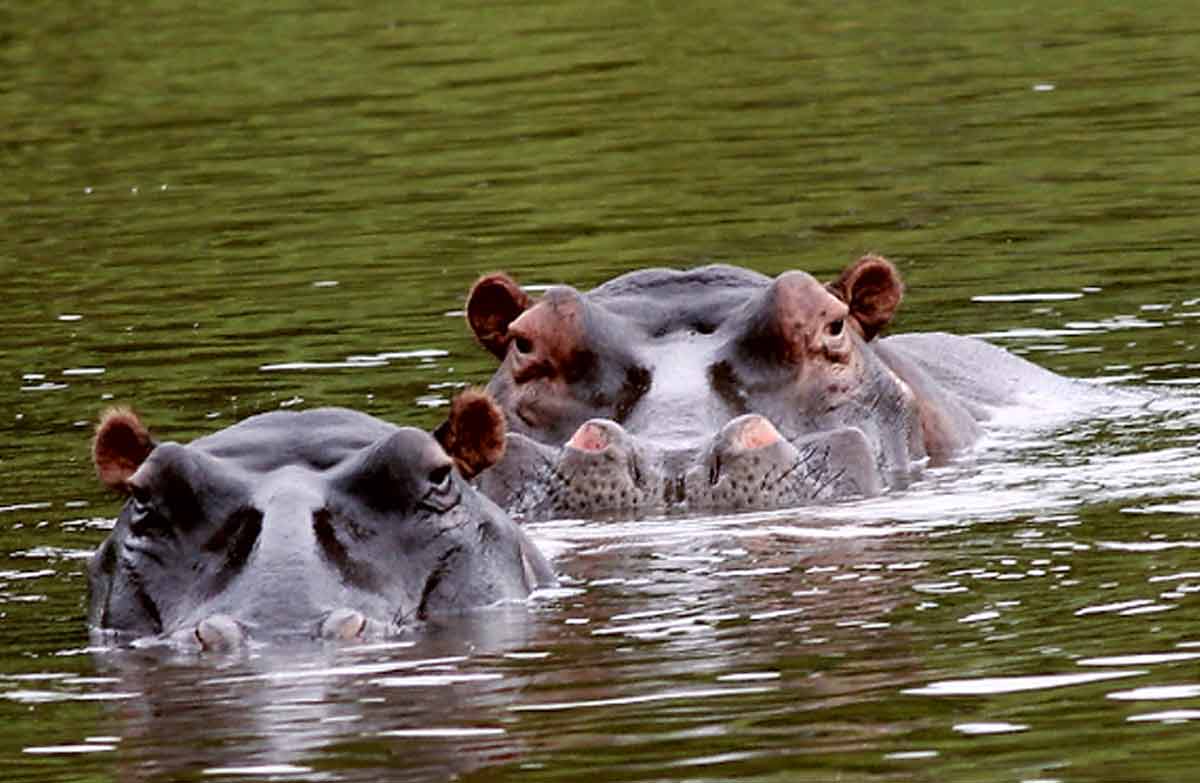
209,212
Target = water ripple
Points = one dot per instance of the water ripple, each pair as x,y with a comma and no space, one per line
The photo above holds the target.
991,686
620,701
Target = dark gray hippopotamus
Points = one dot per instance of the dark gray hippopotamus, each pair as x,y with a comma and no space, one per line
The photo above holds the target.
722,389
325,523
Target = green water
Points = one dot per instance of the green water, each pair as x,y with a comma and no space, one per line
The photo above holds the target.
208,212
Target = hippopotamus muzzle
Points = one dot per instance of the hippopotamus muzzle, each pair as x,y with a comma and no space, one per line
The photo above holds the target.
748,465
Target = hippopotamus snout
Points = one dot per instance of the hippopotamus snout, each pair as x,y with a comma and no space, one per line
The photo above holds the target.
222,633
742,464
748,464
280,568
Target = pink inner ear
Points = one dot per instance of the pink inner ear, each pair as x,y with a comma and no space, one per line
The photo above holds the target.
121,446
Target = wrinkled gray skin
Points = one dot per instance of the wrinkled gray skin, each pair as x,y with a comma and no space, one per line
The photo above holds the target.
721,389
325,523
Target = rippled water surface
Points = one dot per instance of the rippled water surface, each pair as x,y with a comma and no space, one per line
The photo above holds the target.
209,211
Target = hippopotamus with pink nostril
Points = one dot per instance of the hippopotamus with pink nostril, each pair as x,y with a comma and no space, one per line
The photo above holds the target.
720,389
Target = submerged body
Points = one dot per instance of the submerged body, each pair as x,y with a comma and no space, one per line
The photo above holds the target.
721,389
326,523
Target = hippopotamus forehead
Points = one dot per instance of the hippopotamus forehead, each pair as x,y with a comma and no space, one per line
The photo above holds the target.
316,439
682,280
663,301
295,489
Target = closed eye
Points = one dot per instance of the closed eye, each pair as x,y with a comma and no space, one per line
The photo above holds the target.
139,495
144,519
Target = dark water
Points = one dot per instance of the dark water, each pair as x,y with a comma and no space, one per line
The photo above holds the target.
209,211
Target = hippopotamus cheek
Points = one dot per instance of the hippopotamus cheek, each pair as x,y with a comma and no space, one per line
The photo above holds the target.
847,374
527,411
535,403
546,412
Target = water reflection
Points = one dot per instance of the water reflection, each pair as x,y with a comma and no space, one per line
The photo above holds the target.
439,703
987,686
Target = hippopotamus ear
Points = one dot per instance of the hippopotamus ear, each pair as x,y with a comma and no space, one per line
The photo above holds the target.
121,445
872,288
473,435
495,302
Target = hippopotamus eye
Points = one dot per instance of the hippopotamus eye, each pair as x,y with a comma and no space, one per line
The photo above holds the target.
138,494
835,327
439,477
139,508
442,495
523,344
139,500
142,515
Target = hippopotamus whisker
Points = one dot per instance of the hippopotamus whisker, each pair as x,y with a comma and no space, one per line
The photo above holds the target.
714,470
832,478
770,478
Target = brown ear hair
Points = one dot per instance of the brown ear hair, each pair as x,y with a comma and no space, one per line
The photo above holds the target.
872,288
474,432
495,302
120,446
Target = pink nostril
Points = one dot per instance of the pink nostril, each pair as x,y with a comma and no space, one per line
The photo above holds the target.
590,437
756,433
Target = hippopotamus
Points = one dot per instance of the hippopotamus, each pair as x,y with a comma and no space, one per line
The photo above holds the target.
721,389
325,523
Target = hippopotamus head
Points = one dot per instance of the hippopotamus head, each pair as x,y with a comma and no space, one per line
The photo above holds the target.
715,388
325,523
